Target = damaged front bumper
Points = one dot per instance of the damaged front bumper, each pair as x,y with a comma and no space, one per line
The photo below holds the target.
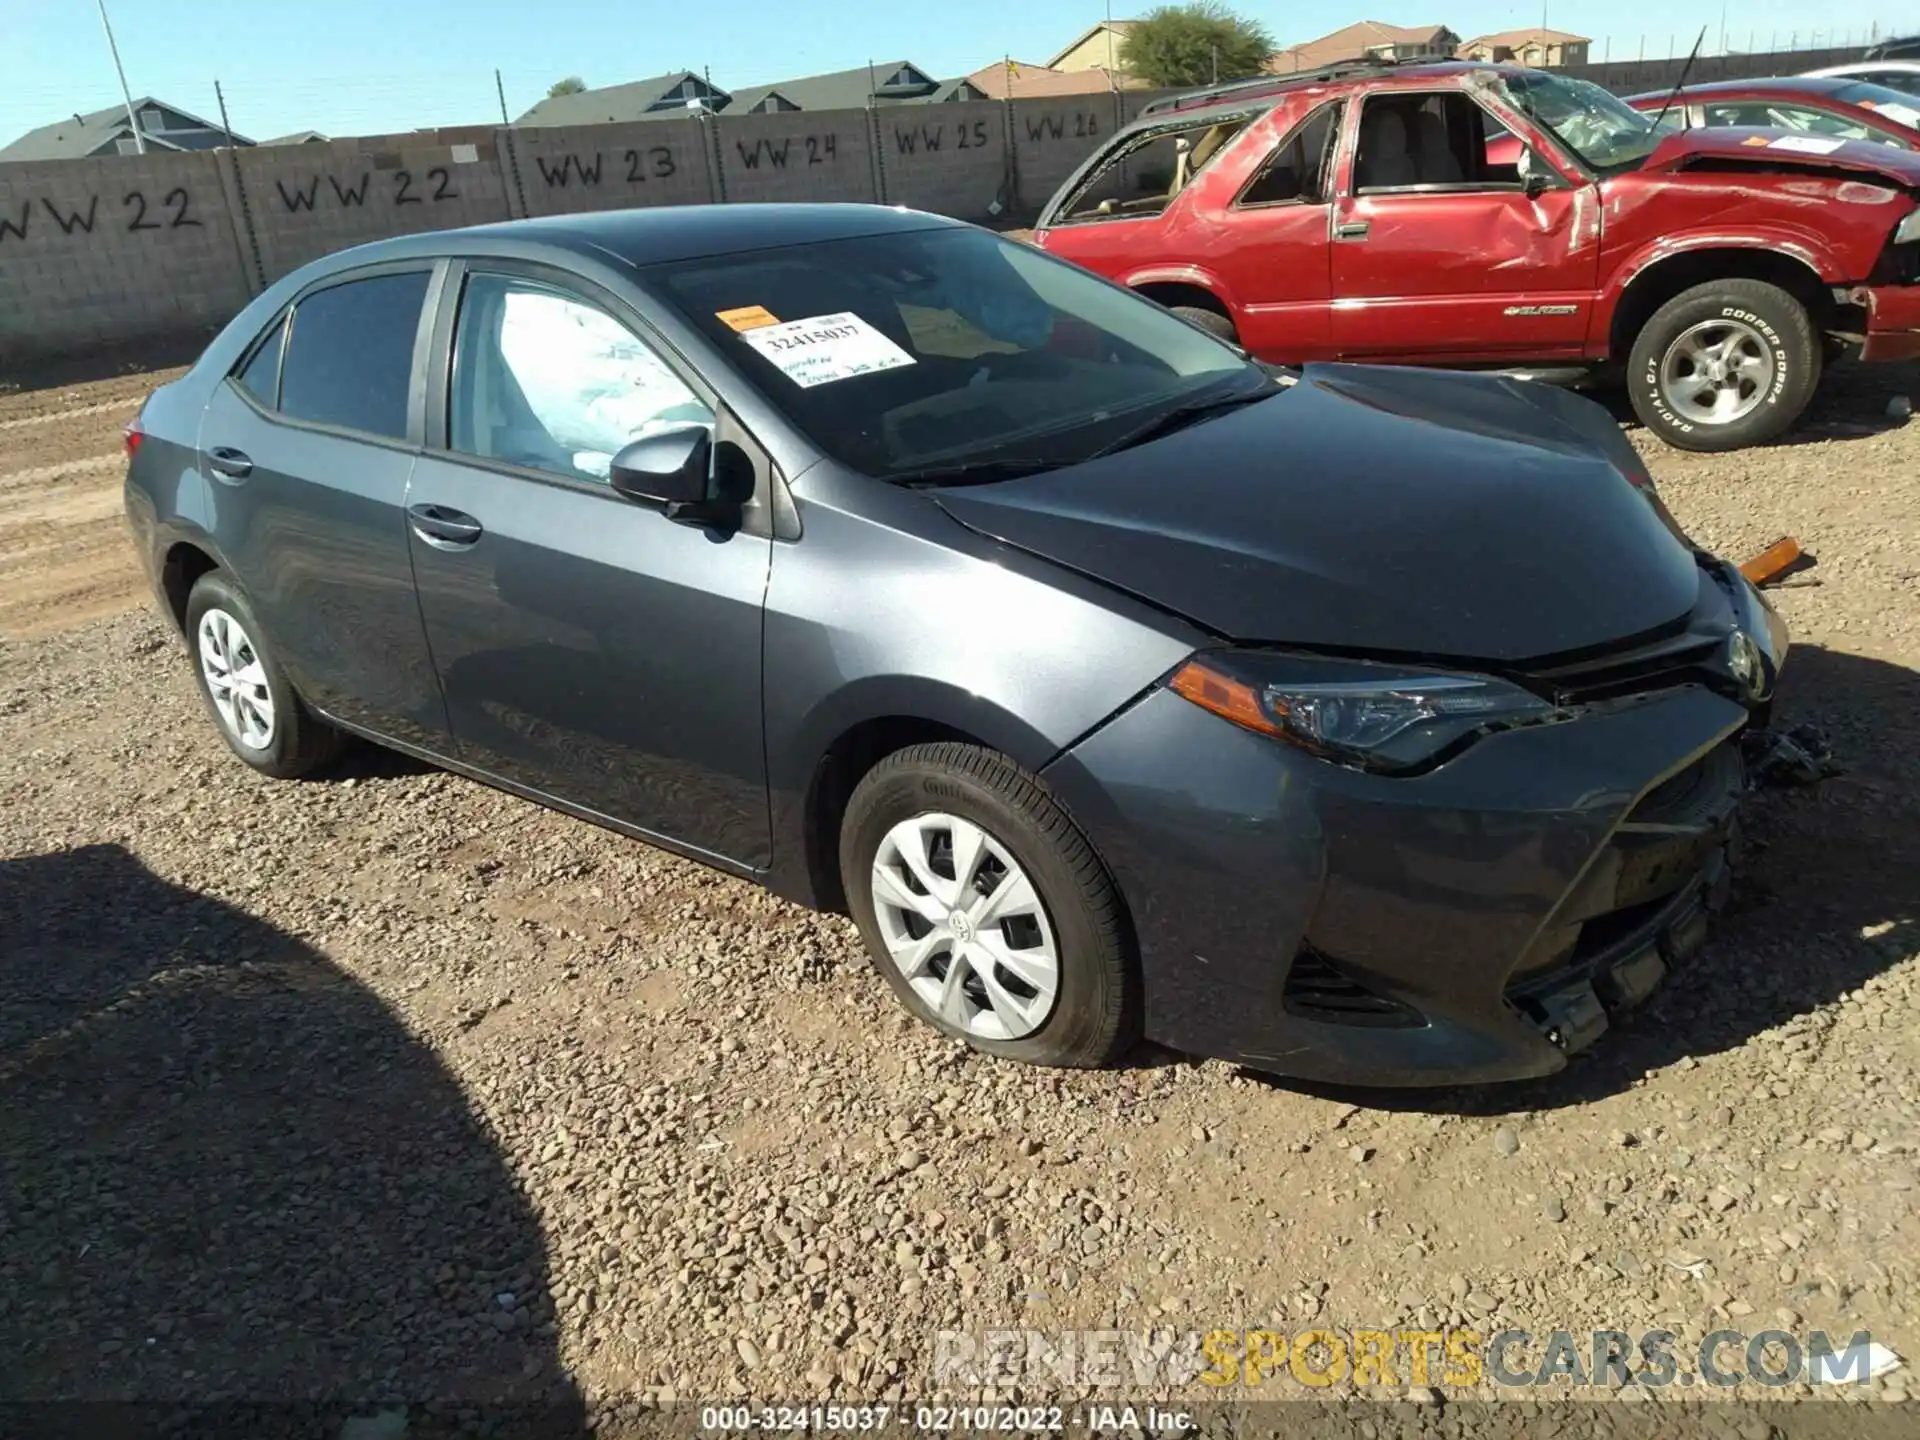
1892,320
1479,922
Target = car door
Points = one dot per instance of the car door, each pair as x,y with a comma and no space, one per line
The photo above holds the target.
307,448
1439,255
1270,246
589,648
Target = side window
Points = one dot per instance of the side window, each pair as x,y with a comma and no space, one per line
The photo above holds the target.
546,380
1299,166
259,376
349,359
1409,140
1144,173
1788,117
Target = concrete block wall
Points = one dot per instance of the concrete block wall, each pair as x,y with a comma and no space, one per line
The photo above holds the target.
797,156
121,247
1052,137
566,169
305,201
96,251
952,159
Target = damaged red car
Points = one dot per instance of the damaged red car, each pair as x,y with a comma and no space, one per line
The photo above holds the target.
1355,214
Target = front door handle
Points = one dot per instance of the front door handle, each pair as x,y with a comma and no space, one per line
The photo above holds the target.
443,528
230,462
1351,230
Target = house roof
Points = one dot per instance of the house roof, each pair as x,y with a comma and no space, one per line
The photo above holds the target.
1352,42
1520,39
1032,82
298,137
1119,27
80,135
850,89
631,101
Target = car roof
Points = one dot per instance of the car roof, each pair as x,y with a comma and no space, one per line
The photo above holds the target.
1268,89
1776,84
654,236
1865,67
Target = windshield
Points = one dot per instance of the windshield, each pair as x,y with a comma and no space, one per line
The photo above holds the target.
928,349
1603,130
1896,105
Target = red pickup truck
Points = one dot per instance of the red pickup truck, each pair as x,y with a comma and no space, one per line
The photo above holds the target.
1355,214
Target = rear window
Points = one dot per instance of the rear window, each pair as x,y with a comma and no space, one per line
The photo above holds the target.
1144,172
1896,105
349,360
260,376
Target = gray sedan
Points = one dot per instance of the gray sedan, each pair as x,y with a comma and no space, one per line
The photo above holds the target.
1372,725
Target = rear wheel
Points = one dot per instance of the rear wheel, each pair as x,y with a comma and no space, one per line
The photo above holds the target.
986,909
1211,321
1724,365
252,702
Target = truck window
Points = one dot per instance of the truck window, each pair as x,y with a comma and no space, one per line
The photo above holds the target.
1300,168
1418,141
1143,173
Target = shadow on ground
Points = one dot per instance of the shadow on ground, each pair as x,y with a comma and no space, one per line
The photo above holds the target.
230,1177
1828,899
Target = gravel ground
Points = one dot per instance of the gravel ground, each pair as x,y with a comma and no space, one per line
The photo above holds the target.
391,1087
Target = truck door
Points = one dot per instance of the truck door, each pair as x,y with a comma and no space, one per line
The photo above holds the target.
1440,255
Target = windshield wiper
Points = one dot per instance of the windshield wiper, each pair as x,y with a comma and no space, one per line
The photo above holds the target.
976,472
1184,414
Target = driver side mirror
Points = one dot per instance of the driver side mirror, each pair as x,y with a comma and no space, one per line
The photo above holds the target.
672,467
1536,183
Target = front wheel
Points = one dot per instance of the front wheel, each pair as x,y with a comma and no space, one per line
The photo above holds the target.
987,910
1724,365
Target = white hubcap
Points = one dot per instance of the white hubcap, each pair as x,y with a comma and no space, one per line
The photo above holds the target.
235,680
966,927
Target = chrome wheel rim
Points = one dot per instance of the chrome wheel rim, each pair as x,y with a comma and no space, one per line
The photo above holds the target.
236,680
1717,372
965,927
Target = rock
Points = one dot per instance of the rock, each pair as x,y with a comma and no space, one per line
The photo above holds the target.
749,1353
1555,1209
387,1425
1506,1142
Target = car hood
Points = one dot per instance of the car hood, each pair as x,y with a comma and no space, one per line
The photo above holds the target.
1371,509
1755,148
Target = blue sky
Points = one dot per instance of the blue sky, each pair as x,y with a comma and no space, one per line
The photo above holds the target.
367,66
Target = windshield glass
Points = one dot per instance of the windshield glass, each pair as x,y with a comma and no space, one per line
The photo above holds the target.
1896,105
1599,127
932,348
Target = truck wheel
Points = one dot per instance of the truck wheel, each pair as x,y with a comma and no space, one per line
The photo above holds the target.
1724,365
1212,321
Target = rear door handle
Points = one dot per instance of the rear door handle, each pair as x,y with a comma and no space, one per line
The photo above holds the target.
443,528
230,462
1351,230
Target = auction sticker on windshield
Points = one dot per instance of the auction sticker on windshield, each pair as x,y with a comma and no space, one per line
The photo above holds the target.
1805,145
825,348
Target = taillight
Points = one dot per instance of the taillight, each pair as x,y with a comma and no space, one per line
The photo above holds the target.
134,435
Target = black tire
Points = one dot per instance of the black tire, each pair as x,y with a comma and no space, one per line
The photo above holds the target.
1786,335
1212,321
297,743
1095,1015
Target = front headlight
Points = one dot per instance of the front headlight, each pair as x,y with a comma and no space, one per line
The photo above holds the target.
1908,229
1371,717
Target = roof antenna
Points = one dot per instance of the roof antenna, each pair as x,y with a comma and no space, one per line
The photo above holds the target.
1681,83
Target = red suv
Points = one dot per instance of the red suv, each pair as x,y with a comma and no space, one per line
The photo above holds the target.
1357,214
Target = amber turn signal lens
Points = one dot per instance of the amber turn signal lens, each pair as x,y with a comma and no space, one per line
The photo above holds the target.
1225,696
